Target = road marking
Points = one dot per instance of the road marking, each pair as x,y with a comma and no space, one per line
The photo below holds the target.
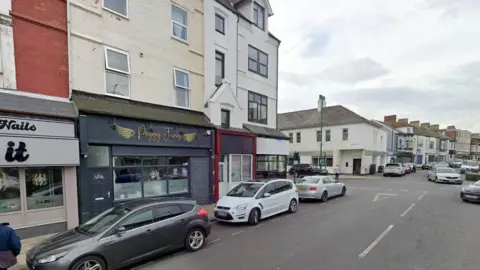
259,225
214,241
381,196
404,190
408,209
235,233
423,194
374,243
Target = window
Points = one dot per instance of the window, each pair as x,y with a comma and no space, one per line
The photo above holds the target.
241,168
431,145
44,188
319,136
381,139
138,220
299,137
259,16
98,156
10,190
257,61
270,163
290,137
166,212
345,134
119,7
225,119
117,72
179,22
329,162
219,68
257,108
182,88
327,135
219,24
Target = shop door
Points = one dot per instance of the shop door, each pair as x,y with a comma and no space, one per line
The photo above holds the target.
223,186
102,190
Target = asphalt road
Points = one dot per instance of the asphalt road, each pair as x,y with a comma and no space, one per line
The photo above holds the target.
390,223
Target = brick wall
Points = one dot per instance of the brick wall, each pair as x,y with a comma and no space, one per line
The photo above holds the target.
41,46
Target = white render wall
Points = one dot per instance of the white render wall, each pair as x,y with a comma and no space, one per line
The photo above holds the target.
147,36
7,53
268,146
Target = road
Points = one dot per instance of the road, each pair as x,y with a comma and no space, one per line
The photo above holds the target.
390,223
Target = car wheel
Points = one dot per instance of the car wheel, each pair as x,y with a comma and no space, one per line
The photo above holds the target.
254,217
293,206
436,179
344,191
324,196
89,262
195,239
428,177
384,175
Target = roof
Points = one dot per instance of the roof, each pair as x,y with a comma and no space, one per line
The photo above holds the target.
332,116
421,131
228,5
266,132
27,103
99,104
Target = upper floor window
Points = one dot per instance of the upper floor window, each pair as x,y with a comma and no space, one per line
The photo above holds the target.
182,88
290,137
219,68
179,22
431,145
119,7
327,135
225,118
299,137
319,135
257,108
345,134
117,72
257,61
259,16
219,24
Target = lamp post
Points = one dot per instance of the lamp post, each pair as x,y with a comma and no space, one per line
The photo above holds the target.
321,105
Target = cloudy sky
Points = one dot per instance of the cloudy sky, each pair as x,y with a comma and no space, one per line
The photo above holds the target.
418,59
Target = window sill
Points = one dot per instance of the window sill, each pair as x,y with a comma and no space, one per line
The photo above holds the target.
117,96
179,40
116,13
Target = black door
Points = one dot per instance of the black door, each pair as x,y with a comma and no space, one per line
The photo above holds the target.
102,190
357,166
172,228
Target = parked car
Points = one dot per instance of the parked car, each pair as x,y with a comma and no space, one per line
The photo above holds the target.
442,164
396,169
407,168
320,187
457,163
444,175
123,235
471,193
469,166
304,169
252,201
428,166
412,166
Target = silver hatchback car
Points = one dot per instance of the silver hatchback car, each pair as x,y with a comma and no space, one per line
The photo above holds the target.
320,187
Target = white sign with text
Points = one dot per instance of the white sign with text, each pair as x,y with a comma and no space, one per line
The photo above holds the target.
35,127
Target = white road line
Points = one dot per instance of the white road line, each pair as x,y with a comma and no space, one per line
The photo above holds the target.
214,241
374,243
404,190
235,233
408,209
423,194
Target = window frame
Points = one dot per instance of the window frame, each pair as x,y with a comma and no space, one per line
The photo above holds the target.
180,24
256,8
290,137
319,132
257,61
222,56
343,134
175,85
298,137
116,12
227,125
259,108
218,16
328,135
114,70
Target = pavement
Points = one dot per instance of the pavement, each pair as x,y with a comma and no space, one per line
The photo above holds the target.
399,223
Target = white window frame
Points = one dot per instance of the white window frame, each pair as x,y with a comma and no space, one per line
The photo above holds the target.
181,87
115,12
116,70
241,167
175,22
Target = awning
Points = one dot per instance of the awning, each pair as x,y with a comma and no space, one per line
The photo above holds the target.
106,105
266,132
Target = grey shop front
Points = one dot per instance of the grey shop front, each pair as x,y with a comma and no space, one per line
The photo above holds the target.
128,159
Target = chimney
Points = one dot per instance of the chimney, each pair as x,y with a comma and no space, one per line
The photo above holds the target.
403,120
390,119
435,127
425,125
415,123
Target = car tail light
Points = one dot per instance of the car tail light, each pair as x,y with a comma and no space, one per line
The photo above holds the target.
202,212
312,188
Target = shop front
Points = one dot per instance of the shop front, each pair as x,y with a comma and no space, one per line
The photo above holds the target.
126,159
271,159
38,180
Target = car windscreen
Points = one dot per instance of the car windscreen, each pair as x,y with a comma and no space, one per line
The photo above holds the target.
309,180
392,165
245,190
103,221
445,170
471,163
477,183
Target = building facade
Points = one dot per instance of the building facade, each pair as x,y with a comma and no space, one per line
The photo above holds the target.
475,146
391,135
351,141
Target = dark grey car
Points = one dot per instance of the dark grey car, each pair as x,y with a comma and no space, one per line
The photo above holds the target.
124,235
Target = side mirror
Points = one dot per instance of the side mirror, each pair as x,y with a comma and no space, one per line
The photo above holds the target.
120,230
267,195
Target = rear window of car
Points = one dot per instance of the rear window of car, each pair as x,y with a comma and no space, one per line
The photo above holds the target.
445,170
309,180
393,165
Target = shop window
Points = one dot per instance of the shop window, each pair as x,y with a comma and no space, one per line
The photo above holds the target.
127,183
9,190
44,188
241,168
98,156
271,163
127,161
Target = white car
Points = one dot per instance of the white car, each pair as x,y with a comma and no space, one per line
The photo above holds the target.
320,187
252,201
470,166
444,175
394,169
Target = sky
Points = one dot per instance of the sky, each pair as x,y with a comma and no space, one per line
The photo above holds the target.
418,59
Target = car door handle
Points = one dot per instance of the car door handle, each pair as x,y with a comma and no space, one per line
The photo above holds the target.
148,231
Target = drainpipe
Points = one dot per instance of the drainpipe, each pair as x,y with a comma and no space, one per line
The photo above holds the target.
236,68
69,44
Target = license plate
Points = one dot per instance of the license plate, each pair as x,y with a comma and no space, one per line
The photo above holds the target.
470,196
222,214
302,189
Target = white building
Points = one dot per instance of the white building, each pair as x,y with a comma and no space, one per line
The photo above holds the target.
241,90
349,140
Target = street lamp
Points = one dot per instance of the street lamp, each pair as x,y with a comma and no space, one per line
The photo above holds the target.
321,105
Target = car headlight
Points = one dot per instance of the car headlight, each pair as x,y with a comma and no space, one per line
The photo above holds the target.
241,207
52,258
